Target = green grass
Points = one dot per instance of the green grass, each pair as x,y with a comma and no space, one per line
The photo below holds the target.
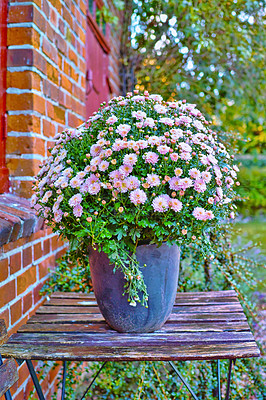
253,231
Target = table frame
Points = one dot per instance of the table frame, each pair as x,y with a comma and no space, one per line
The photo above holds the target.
214,320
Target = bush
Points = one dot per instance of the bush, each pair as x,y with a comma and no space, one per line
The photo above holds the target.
252,189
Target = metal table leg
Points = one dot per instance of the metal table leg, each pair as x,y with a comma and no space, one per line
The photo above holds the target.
35,380
64,381
183,380
219,379
228,380
93,380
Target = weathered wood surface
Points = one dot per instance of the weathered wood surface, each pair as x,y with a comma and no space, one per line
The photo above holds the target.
8,376
3,332
69,326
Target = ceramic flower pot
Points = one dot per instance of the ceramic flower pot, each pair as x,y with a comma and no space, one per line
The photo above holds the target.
160,276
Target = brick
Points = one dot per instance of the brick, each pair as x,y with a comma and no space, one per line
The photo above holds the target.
5,316
3,269
37,251
48,128
73,121
25,145
23,123
57,4
26,279
21,36
50,50
46,246
22,188
25,101
17,225
27,302
54,18
15,263
8,293
51,90
27,256
23,80
45,266
6,228
55,113
20,13
53,73
66,83
60,43
21,167
36,293
16,311
73,56
67,17
19,57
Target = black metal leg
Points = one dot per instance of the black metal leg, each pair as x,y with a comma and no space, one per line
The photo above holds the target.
228,380
7,394
219,379
183,380
64,381
92,382
35,380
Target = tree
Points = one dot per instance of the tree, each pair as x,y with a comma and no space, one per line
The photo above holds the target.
211,53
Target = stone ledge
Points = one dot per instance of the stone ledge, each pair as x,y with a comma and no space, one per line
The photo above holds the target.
17,218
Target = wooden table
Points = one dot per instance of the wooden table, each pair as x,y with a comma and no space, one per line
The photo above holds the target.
69,326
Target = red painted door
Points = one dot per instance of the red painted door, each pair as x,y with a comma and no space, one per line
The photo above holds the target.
97,50
3,52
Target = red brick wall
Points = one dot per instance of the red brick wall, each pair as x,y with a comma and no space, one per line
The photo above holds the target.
46,72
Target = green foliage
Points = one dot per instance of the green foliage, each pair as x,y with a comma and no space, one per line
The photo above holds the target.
252,190
211,53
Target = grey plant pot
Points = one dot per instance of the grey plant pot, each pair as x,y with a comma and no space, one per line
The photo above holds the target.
160,276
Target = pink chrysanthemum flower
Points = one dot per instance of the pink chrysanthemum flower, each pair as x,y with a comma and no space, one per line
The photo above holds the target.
130,159
194,173
94,188
58,214
118,145
219,192
75,182
163,149
199,213
123,129
156,97
95,161
151,158
185,147
142,144
160,204
154,140
75,200
103,166
78,211
111,120
132,182
91,179
95,150
124,186
185,183
206,176
115,174
160,109
140,115
125,170
198,125
209,214
185,156
174,183
212,159
176,205
153,180
184,120
178,171
200,186
174,157
149,122
138,196
166,121
67,172
176,133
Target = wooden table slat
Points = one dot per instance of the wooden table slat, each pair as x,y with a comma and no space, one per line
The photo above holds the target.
69,326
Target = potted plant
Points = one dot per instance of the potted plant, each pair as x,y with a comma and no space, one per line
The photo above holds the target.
139,179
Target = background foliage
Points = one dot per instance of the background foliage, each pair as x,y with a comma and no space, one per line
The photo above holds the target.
208,52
